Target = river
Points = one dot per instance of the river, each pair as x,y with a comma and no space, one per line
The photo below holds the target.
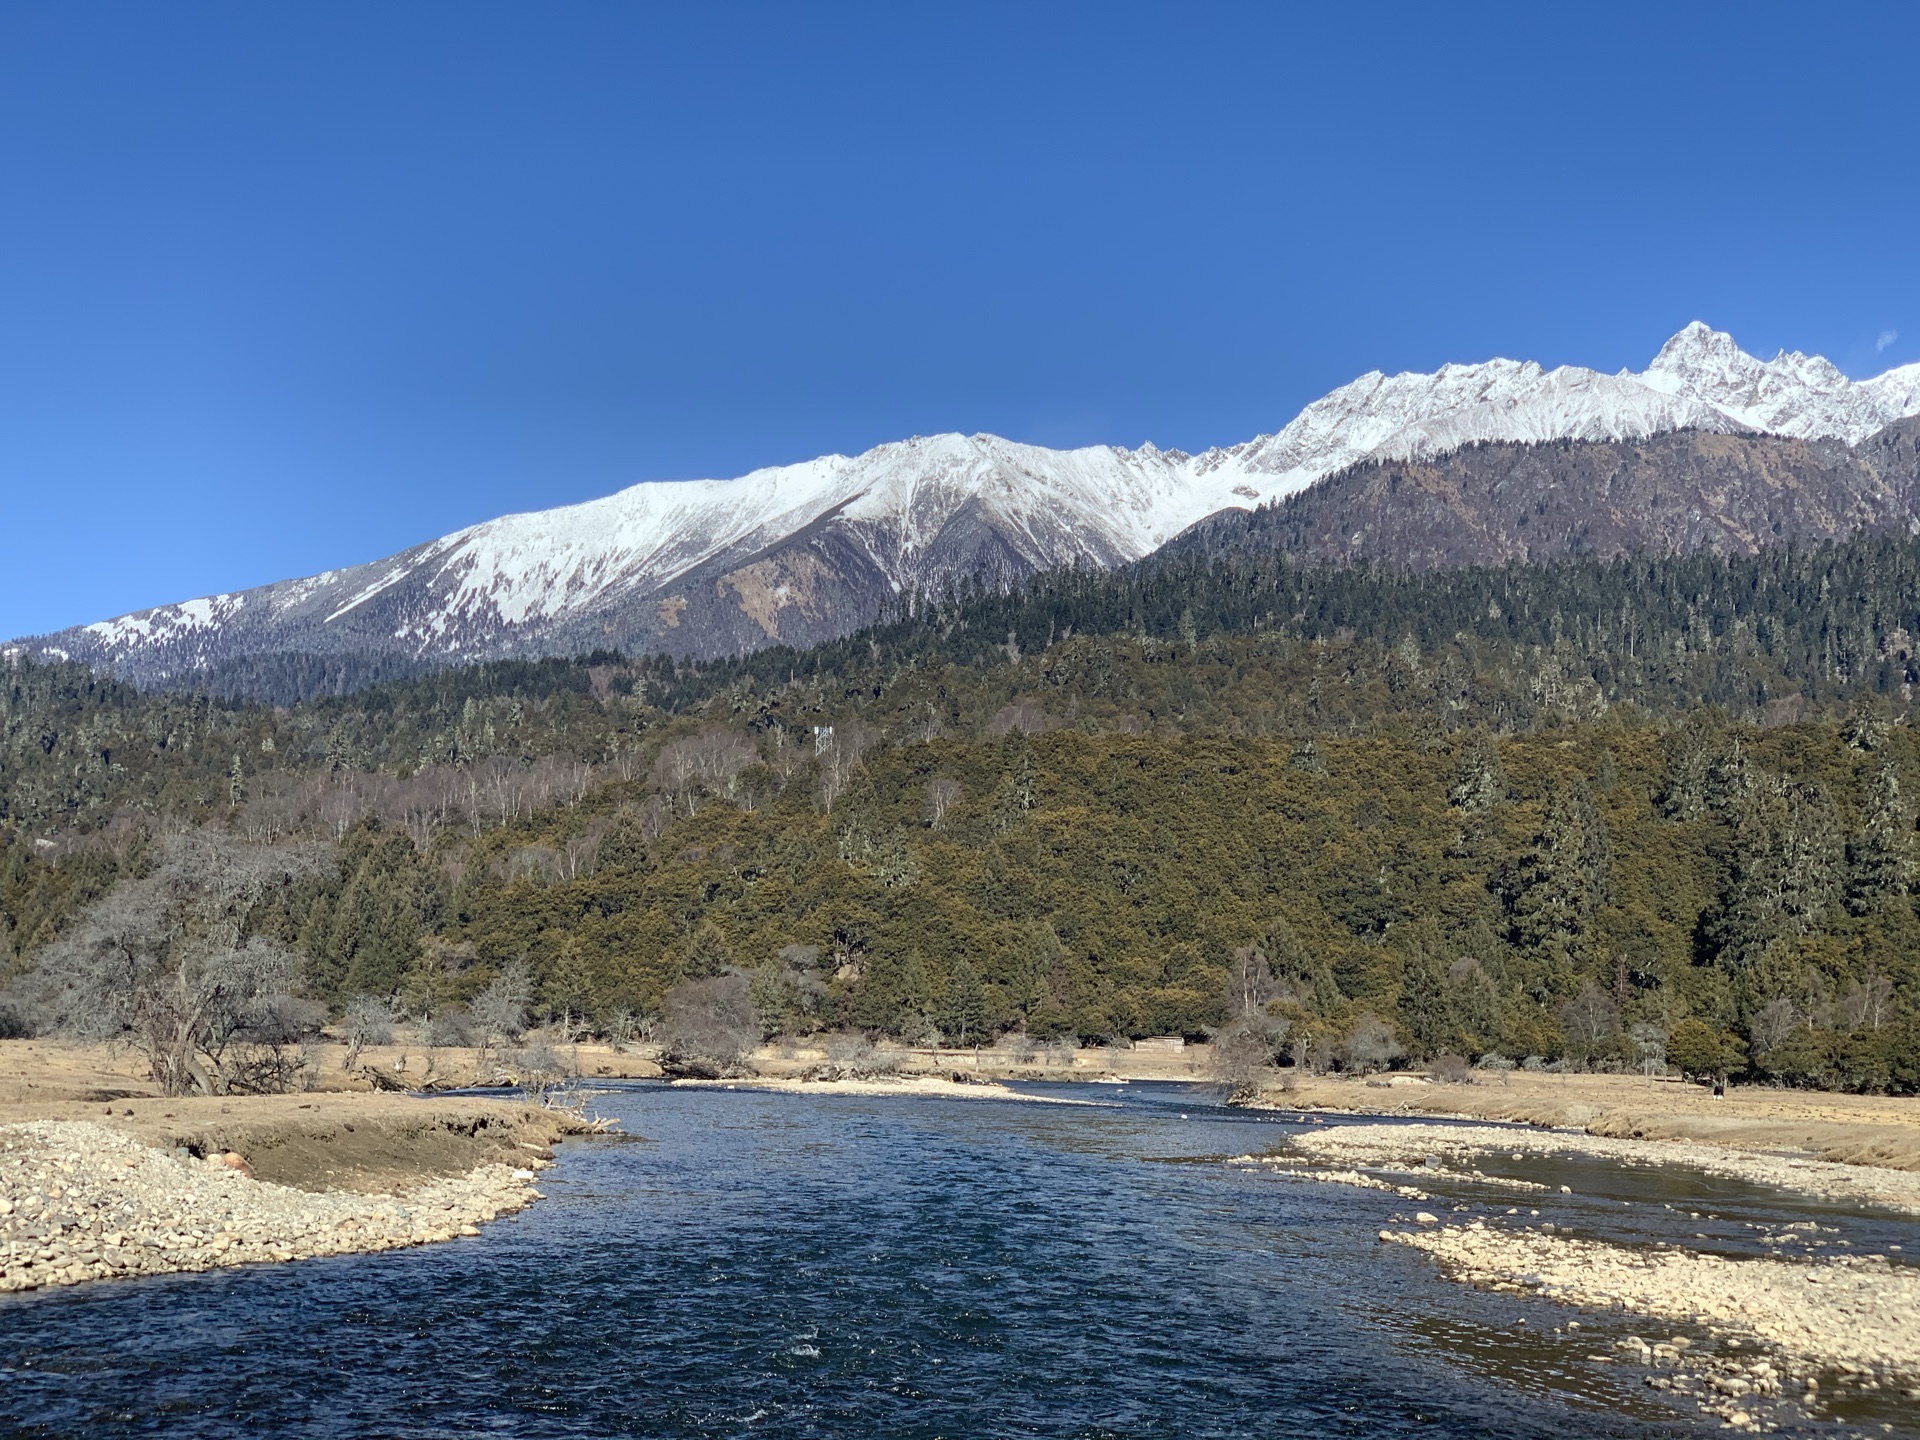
833,1266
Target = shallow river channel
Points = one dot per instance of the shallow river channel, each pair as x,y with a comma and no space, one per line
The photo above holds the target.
834,1266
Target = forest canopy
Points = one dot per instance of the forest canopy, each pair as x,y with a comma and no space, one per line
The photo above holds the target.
1566,813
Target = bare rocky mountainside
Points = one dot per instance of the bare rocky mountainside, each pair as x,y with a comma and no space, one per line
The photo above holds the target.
1707,446
1500,502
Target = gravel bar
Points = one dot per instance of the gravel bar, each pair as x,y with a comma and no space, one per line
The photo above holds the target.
1897,1190
81,1202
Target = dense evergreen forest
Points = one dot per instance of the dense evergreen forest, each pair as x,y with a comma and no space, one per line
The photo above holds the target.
1590,813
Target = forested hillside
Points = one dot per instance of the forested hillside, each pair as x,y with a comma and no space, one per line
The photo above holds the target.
1581,813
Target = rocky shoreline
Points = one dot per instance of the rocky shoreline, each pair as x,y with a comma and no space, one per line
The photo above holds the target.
1780,1340
1854,1314
81,1202
1826,1329
1412,1145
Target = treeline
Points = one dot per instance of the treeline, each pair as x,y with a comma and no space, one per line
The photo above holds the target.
1581,895
1228,645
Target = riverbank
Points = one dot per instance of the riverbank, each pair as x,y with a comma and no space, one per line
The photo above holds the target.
1417,1147
1875,1130
80,1201
1783,1325
1857,1315
100,1177
943,1087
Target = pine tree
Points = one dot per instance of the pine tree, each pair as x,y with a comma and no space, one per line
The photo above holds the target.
623,849
1479,783
963,1009
1786,874
1880,857
1425,1006
1560,880
707,953
912,1017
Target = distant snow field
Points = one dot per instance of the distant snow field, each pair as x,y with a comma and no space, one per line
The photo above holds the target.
492,588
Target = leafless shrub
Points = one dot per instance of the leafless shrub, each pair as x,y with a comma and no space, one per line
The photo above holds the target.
1243,1054
854,1057
449,1027
1370,1045
163,963
707,1027
1450,1070
367,1022
499,1012
537,1069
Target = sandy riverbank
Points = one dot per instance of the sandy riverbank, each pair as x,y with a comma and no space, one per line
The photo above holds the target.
1854,1314
1820,1323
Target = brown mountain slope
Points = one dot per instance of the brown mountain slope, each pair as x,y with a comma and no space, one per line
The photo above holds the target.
1494,503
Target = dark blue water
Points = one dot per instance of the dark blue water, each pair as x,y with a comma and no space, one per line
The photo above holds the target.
776,1265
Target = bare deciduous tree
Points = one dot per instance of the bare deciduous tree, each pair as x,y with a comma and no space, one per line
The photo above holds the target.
838,758
707,1027
499,1012
1370,1045
164,963
1773,1025
1250,982
367,1022
1590,1021
1868,1001
708,764
1243,1053
942,795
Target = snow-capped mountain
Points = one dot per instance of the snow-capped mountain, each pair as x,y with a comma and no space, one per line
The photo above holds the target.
803,552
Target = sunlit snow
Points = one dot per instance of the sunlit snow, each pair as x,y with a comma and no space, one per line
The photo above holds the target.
1101,505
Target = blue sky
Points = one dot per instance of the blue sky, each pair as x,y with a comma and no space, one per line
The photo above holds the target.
285,287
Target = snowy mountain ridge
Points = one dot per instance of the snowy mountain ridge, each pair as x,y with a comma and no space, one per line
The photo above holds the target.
798,552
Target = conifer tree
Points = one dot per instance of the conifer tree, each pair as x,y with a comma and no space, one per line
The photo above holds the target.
963,1009
1478,783
1880,856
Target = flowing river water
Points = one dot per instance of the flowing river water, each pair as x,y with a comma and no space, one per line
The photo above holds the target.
827,1265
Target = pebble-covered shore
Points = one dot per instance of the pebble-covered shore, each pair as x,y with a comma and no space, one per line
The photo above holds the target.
1786,1335
1854,1320
79,1201
1853,1314
1391,1145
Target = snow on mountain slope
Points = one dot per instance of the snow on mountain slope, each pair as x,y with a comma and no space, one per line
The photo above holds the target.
802,551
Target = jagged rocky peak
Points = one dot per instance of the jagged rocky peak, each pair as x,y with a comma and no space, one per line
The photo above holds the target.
800,553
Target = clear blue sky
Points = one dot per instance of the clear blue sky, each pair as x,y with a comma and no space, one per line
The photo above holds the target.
284,287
